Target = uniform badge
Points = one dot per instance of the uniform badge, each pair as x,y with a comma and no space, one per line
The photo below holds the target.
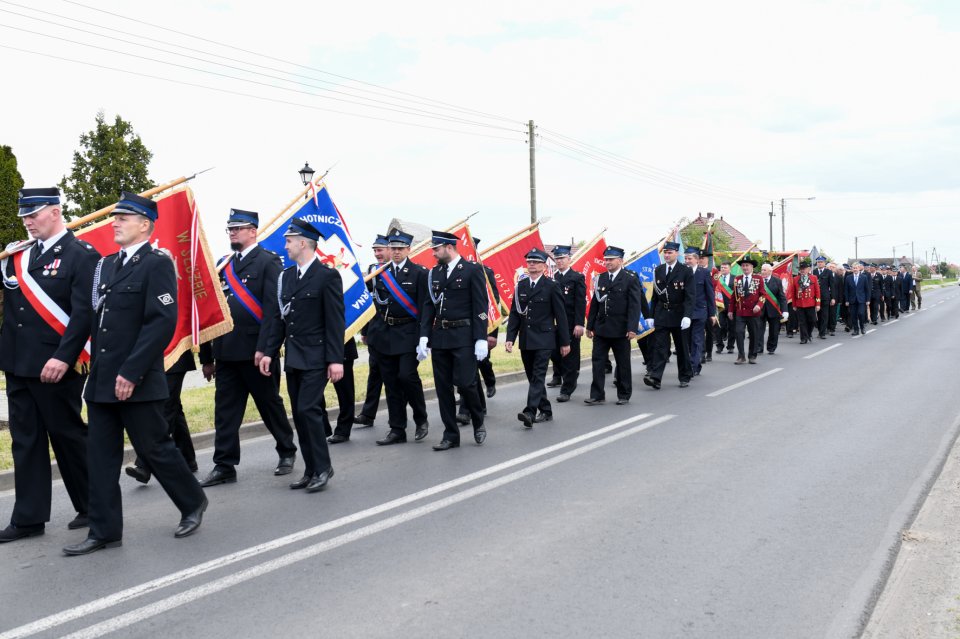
135,259
166,299
482,316
57,249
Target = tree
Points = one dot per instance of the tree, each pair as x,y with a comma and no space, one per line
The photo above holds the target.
111,158
944,269
693,234
924,272
10,184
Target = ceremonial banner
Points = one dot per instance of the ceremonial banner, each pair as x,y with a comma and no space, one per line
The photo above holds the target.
783,270
336,252
644,265
202,311
508,261
589,261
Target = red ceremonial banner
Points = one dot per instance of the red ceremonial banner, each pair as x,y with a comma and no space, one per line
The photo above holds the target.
202,311
589,261
508,262
782,270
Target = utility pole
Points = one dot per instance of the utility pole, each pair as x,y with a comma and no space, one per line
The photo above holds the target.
913,256
771,228
783,222
533,174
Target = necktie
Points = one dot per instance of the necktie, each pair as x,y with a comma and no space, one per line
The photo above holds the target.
856,278
669,268
37,252
533,284
121,257
237,257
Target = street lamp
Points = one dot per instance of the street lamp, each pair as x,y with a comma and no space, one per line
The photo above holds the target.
894,249
306,175
783,220
856,240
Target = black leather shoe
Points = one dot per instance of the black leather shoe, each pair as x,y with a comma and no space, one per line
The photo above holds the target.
752,360
621,401
563,397
463,419
729,350
479,434
543,417
855,333
739,361
337,439
90,545
607,368
684,384
190,522
362,420
13,533
446,444
422,430
491,390
822,336
219,476
652,382
301,483
142,475
553,383
592,402
392,437
319,482
285,466
192,465
526,418
80,521
709,358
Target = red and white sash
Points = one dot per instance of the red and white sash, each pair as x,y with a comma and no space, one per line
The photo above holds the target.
45,307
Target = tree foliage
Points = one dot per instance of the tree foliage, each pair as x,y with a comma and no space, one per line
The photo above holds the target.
10,184
693,234
111,158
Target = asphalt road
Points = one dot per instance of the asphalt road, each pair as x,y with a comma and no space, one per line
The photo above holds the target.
771,509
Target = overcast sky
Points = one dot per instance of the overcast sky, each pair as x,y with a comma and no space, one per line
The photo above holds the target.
707,106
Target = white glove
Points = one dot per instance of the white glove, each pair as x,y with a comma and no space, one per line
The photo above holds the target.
649,323
422,350
685,323
480,349
786,316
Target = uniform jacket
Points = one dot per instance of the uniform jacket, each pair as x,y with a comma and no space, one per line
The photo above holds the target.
747,296
704,297
26,340
806,295
876,285
460,298
860,291
898,285
615,308
906,285
573,288
538,316
673,297
827,284
375,322
775,286
888,288
258,271
396,331
313,324
840,280
134,321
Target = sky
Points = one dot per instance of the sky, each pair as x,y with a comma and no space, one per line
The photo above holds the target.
646,112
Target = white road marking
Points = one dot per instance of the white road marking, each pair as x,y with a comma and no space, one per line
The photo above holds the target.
823,350
893,321
71,614
720,392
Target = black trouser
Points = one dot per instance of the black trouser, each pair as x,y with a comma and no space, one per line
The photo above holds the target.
566,370
660,352
823,318
485,366
403,386
883,308
310,417
456,367
235,382
371,402
149,435
754,325
39,412
535,366
832,314
708,338
622,371
808,321
770,325
177,425
694,337
346,400
793,322
893,308
481,393
724,332
857,312
646,349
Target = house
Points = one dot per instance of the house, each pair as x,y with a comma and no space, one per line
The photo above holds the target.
738,241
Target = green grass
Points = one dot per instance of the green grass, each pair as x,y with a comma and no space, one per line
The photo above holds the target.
949,280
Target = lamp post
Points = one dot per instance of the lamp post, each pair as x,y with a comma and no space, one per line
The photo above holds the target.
856,241
771,229
306,176
894,249
783,220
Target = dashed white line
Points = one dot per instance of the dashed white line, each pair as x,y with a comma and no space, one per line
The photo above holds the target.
720,392
823,350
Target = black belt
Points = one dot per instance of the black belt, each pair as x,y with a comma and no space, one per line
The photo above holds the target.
452,323
395,321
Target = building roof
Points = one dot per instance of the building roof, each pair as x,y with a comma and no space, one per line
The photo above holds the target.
738,241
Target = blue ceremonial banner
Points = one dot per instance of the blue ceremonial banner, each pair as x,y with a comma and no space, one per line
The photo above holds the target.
335,252
643,265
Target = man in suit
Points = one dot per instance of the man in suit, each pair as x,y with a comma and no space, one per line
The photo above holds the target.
672,308
828,298
877,301
710,327
806,301
399,293
747,306
906,285
454,328
612,324
838,279
45,328
311,331
857,293
890,292
540,319
774,308
573,288
249,280
135,298
704,308
371,401
486,376
725,332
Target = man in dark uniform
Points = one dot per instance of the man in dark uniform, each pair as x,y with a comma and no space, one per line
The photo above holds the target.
345,389
540,319
704,308
710,327
573,288
672,308
484,367
454,326
906,286
399,294
249,281
725,333
877,303
312,330
371,401
176,421
45,328
612,325
828,297
772,314
890,292
135,298
858,291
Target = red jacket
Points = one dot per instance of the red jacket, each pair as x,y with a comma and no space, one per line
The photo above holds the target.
745,301
807,296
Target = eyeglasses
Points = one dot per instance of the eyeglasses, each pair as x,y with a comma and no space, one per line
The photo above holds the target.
237,229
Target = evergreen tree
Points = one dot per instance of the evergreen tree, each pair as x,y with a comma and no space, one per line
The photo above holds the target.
11,182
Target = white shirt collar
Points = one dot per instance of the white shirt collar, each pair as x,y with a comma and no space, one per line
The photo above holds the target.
452,264
303,269
614,274
50,241
132,250
398,266
563,272
247,250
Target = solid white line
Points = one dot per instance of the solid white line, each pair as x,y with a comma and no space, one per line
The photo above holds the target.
874,330
893,321
823,350
149,587
743,383
218,585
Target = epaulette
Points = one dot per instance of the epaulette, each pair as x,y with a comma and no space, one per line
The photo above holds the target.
86,245
271,252
164,252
